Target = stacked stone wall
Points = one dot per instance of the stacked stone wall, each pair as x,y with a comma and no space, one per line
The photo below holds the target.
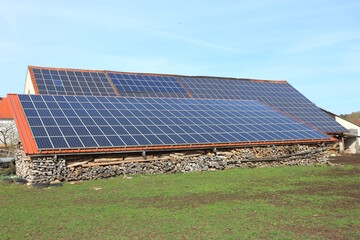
85,167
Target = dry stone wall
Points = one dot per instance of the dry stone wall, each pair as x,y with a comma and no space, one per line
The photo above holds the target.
39,169
22,163
74,168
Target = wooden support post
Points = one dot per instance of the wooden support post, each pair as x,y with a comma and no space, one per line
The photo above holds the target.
342,144
144,154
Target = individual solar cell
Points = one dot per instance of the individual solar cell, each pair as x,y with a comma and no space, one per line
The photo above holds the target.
141,140
128,140
39,132
72,82
140,85
279,95
67,131
43,143
59,142
102,141
53,131
116,141
236,121
34,122
74,142
88,141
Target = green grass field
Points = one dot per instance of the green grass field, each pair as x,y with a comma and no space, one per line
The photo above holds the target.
264,203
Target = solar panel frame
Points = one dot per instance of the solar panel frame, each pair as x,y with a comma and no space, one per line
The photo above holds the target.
73,132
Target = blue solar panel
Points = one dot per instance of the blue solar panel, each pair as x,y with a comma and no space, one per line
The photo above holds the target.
281,96
138,85
154,121
72,82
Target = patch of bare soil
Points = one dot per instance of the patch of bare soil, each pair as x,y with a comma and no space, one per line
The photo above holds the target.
347,159
339,172
318,232
192,200
349,192
350,201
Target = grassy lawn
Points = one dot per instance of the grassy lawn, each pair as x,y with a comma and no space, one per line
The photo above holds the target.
262,203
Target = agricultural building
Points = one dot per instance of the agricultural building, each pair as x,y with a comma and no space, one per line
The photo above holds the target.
85,124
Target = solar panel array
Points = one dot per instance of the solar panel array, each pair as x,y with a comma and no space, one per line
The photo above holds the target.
72,82
281,96
138,85
74,122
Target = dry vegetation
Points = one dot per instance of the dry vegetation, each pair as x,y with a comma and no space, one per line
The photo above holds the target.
352,117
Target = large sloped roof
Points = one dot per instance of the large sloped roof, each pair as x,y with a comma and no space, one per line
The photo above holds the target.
280,95
277,94
79,124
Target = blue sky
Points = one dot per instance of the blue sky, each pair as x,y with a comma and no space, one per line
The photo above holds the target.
314,45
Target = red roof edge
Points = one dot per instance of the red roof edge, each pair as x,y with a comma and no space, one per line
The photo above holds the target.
178,147
22,125
5,112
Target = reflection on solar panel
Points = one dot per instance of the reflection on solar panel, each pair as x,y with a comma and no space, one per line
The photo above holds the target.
72,82
139,85
280,95
72,122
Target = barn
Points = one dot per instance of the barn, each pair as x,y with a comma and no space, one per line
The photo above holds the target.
77,124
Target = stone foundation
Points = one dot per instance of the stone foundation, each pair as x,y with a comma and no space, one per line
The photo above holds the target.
74,168
22,163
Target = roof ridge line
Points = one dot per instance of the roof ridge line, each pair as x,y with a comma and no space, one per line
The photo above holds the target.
159,74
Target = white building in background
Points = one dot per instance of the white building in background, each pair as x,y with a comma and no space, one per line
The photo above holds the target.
29,86
351,138
7,124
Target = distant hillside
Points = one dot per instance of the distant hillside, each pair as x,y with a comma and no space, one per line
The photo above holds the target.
352,117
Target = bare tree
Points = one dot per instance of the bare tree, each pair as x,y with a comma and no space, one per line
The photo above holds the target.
8,133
